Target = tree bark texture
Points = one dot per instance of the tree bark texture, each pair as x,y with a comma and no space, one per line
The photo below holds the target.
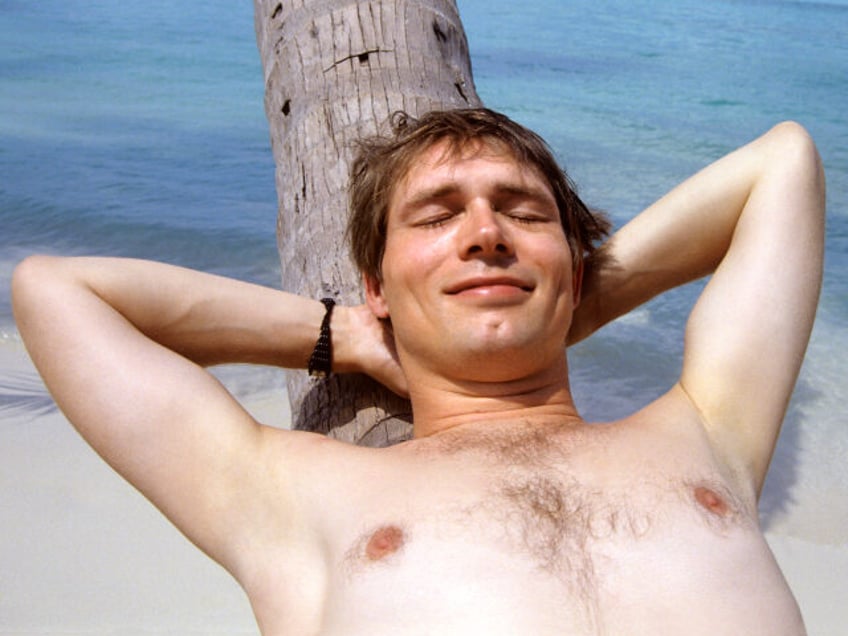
335,71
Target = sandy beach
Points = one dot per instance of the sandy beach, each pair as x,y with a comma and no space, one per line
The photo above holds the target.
84,553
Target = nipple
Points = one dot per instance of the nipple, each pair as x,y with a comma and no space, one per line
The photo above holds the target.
385,541
710,500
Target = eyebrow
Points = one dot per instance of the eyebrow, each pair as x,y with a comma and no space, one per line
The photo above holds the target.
427,195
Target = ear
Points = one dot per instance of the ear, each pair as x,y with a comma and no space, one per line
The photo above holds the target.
577,283
374,296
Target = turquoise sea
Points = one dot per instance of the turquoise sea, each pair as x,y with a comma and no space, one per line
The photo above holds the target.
138,129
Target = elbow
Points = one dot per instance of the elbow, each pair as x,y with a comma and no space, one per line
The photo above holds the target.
792,144
31,270
794,159
31,279
792,134
25,278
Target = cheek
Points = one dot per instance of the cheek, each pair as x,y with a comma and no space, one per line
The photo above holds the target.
412,277
554,257
562,288
410,261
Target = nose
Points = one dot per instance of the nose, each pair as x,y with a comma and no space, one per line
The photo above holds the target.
484,233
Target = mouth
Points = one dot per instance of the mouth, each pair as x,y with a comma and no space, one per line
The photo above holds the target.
490,285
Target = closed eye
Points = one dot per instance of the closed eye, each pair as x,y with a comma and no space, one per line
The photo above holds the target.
434,220
525,217
526,206
527,212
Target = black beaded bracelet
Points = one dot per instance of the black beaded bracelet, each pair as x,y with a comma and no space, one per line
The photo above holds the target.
321,360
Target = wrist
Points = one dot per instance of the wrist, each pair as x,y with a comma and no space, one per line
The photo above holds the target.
320,363
344,360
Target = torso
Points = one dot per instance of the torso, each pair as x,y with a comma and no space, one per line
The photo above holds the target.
626,528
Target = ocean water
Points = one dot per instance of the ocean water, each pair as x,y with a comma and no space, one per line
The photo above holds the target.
138,129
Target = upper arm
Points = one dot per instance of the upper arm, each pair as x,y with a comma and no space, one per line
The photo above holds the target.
746,337
755,220
161,421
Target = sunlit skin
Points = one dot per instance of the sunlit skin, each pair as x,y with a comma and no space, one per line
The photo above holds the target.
506,514
477,268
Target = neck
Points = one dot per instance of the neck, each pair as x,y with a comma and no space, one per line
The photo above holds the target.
441,404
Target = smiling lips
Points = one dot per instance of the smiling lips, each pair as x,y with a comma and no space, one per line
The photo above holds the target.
490,286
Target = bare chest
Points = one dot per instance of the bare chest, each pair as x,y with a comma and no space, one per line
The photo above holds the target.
531,533
540,537
556,514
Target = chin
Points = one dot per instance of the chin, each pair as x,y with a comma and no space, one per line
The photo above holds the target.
503,364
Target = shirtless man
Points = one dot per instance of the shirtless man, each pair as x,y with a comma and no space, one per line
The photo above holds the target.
506,513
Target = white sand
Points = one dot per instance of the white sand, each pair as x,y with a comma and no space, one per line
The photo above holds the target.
82,552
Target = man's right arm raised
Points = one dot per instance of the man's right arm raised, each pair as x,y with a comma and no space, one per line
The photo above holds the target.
122,345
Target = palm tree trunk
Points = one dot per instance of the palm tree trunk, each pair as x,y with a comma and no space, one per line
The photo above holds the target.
334,72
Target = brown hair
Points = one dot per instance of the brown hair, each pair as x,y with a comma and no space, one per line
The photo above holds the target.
382,162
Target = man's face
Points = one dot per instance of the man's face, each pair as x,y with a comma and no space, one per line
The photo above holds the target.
477,273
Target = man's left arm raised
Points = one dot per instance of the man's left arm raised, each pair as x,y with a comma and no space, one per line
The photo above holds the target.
754,219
